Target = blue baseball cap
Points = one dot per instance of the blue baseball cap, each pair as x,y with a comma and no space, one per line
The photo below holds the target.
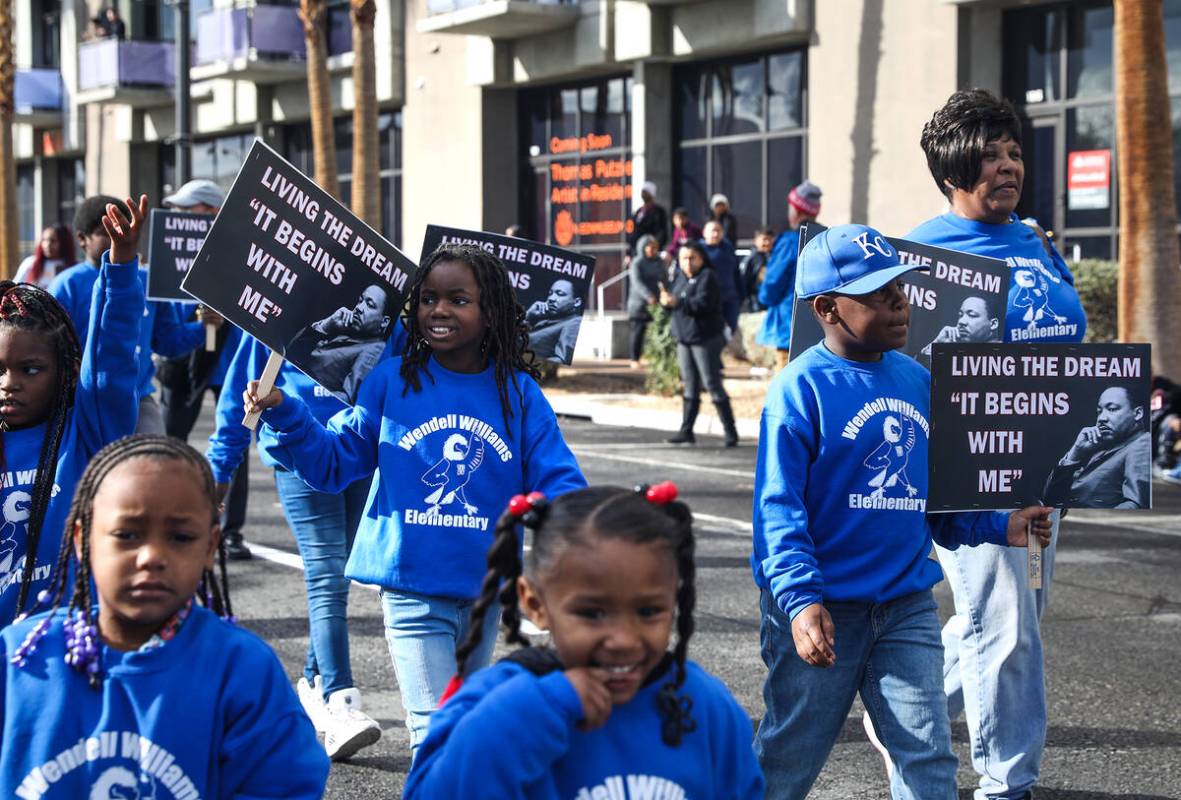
848,259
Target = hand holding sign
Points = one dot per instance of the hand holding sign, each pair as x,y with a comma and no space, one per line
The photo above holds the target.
1029,521
125,232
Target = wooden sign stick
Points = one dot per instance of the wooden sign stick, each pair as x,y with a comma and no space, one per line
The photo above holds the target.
267,382
211,338
1034,546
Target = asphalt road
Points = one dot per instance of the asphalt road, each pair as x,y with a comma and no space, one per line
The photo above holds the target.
1112,633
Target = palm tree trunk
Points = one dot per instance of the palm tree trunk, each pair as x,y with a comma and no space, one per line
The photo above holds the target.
1150,258
9,213
314,14
366,179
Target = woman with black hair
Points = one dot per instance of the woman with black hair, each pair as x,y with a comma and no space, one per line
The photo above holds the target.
992,645
695,299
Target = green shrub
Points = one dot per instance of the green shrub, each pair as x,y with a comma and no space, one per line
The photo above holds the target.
1096,282
660,353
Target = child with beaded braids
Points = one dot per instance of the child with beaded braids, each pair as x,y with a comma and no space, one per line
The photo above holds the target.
608,711
452,429
148,694
60,403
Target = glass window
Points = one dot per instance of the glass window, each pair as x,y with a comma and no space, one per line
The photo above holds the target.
738,98
1173,43
1033,46
1089,56
738,174
692,101
1037,195
785,171
693,185
1077,248
1090,128
342,135
785,95
26,204
71,187
203,157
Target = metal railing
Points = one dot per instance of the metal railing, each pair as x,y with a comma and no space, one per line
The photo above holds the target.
112,63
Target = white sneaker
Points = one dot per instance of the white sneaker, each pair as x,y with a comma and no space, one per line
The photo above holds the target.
346,728
311,697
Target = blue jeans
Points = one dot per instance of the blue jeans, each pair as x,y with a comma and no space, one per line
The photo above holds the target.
890,654
324,526
992,670
422,634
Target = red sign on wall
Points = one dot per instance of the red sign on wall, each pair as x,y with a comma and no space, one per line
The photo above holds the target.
1088,179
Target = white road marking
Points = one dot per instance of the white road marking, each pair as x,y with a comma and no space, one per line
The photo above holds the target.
652,462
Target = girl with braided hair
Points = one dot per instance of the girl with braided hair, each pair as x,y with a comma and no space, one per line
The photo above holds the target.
449,432
135,686
609,576
60,403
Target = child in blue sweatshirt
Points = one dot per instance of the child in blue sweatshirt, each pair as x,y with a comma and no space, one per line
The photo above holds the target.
60,402
610,712
148,694
452,429
842,538
160,329
324,524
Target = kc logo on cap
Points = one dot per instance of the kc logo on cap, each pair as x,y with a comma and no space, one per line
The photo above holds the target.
848,259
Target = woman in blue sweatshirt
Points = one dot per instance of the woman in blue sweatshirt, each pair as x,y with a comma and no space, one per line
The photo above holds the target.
60,403
609,711
146,694
973,148
842,537
450,432
324,524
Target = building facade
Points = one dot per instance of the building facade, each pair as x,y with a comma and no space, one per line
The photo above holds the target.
551,113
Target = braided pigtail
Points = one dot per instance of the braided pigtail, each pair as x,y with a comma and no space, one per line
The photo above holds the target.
674,707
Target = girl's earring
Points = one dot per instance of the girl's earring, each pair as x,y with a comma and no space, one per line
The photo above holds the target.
3,426
487,340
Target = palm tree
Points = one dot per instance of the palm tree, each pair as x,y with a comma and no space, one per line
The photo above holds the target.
366,200
9,213
314,14
1150,259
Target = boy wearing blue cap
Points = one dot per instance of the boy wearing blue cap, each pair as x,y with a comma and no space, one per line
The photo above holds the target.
842,537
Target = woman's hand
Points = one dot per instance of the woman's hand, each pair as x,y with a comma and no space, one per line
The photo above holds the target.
124,232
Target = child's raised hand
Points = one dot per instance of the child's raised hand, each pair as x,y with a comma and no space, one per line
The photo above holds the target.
1019,526
814,635
125,232
255,404
591,685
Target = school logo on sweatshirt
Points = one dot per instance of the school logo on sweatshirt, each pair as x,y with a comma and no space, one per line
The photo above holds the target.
633,787
1033,280
14,533
463,442
143,771
894,426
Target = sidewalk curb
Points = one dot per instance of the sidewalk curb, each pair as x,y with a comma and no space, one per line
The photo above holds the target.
592,407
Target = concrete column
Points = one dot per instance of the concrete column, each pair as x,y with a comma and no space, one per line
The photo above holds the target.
501,156
652,130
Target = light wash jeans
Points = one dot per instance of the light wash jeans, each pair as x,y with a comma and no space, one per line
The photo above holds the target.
324,526
890,654
992,668
422,633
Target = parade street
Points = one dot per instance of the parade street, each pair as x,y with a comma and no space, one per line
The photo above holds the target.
1112,632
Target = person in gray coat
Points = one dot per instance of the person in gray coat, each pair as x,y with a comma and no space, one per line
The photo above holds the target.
647,273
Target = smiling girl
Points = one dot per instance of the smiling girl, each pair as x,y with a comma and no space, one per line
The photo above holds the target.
59,404
450,432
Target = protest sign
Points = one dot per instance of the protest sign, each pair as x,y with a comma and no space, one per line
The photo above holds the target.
551,283
1064,425
297,270
174,240
961,299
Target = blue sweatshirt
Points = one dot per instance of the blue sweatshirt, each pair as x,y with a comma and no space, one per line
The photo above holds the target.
160,329
446,466
209,714
106,407
777,293
231,438
1043,303
509,734
841,484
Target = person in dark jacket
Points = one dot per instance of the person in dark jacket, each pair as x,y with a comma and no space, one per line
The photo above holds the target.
724,262
695,299
649,219
753,269
647,274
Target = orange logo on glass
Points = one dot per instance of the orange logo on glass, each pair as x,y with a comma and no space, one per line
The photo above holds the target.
563,228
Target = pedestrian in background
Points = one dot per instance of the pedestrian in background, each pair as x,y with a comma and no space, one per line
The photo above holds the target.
724,262
719,212
684,229
777,292
649,219
695,299
646,274
54,253
753,269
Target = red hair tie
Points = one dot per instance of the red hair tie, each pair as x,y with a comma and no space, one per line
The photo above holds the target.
661,494
525,506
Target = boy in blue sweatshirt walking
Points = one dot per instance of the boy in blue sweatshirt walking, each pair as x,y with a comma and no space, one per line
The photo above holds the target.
842,538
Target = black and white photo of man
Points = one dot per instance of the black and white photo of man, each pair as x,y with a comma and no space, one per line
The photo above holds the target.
554,322
1110,463
976,322
341,349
